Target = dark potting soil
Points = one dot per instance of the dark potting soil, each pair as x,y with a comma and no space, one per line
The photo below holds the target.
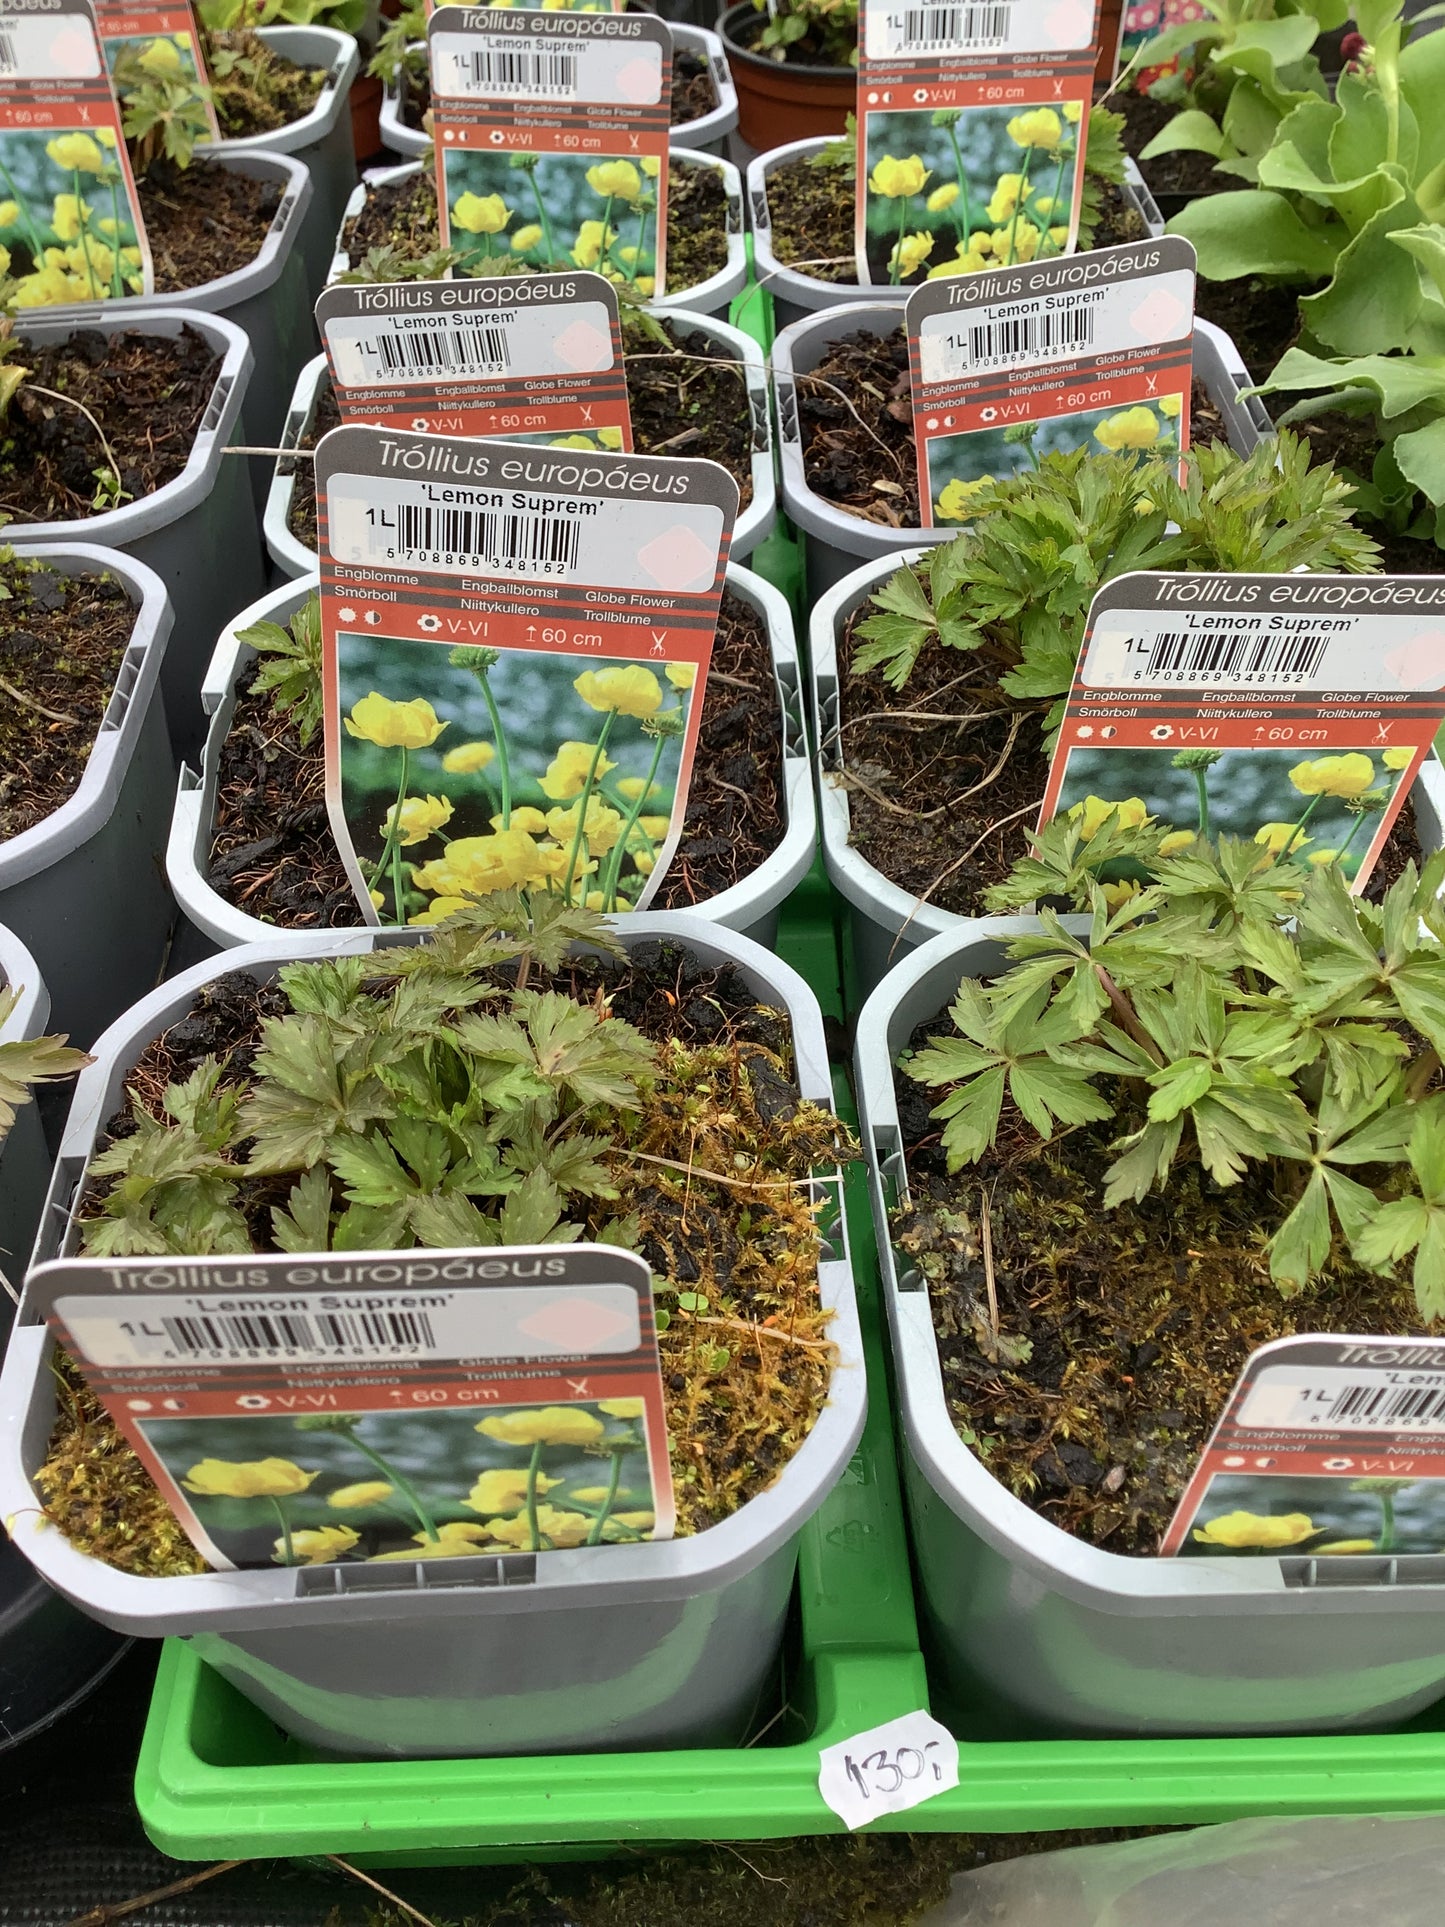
855,414
148,392
1138,1319
62,638
695,406
273,857
263,91
204,221
403,215
693,93
1182,172
811,211
1262,318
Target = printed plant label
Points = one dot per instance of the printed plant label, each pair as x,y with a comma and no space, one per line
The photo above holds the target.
550,131
972,123
155,42
70,221
1010,365
515,649
1295,710
300,1410
535,357
1328,1446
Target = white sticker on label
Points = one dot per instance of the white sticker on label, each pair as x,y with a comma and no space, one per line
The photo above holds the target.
1057,327
525,66
888,1769
1345,1398
1298,649
946,27
448,529
481,344
35,48
321,1327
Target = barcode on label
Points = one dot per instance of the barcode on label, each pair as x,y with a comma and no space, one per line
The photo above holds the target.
1380,1405
940,29
497,70
220,1335
1009,337
535,543
1211,656
458,349
9,54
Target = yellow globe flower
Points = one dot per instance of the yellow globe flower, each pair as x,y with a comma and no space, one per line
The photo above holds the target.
1002,202
1116,895
468,758
526,237
960,264
644,862
5,268
1045,207
364,1492
1249,1531
503,1491
1276,837
567,771
1171,405
161,59
563,1529
1344,1545
410,725
632,691
632,787
597,1494
1040,127
1015,245
417,818
1347,776
592,243
317,1546
553,862
682,675
1397,758
1320,857
894,178
1136,427
910,253
646,286
610,437
437,911
69,216
943,197
477,865
456,1532
1058,235
378,901
9,213
523,818
249,1479
622,1407
615,180
546,1425
652,166
656,827
77,153
602,826
1095,811
438,1548
639,1521
480,213
1176,841
955,504
572,441
1073,111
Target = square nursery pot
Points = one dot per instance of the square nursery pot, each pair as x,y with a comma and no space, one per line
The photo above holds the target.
320,140
711,297
750,906
1031,1628
84,889
797,294
835,542
290,556
268,298
198,532
708,133
657,1645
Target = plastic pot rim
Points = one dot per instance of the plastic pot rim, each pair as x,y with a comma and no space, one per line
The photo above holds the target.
738,50
89,806
342,61
19,971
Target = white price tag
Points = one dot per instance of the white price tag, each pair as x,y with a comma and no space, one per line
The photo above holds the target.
888,1769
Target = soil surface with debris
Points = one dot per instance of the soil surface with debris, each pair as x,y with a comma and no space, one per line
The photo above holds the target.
1185,171
204,221
264,91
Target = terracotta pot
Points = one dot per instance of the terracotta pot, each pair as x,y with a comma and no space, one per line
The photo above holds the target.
778,102
366,94
1111,21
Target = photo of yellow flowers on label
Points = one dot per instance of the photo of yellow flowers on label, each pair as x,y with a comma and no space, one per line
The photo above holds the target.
70,222
150,44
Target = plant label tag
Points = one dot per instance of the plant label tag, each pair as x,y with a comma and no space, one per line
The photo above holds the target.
336,1408
1012,364
155,42
1292,709
551,132
888,1769
1328,1447
70,227
515,650
972,123
534,357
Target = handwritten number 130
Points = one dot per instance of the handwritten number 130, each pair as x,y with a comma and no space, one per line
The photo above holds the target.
907,1763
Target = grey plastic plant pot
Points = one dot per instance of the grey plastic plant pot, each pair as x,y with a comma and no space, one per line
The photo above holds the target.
198,532
835,542
84,889
711,297
707,134
797,294
749,907
291,556
659,1645
1045,1633
268,298
321,139
24,1160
